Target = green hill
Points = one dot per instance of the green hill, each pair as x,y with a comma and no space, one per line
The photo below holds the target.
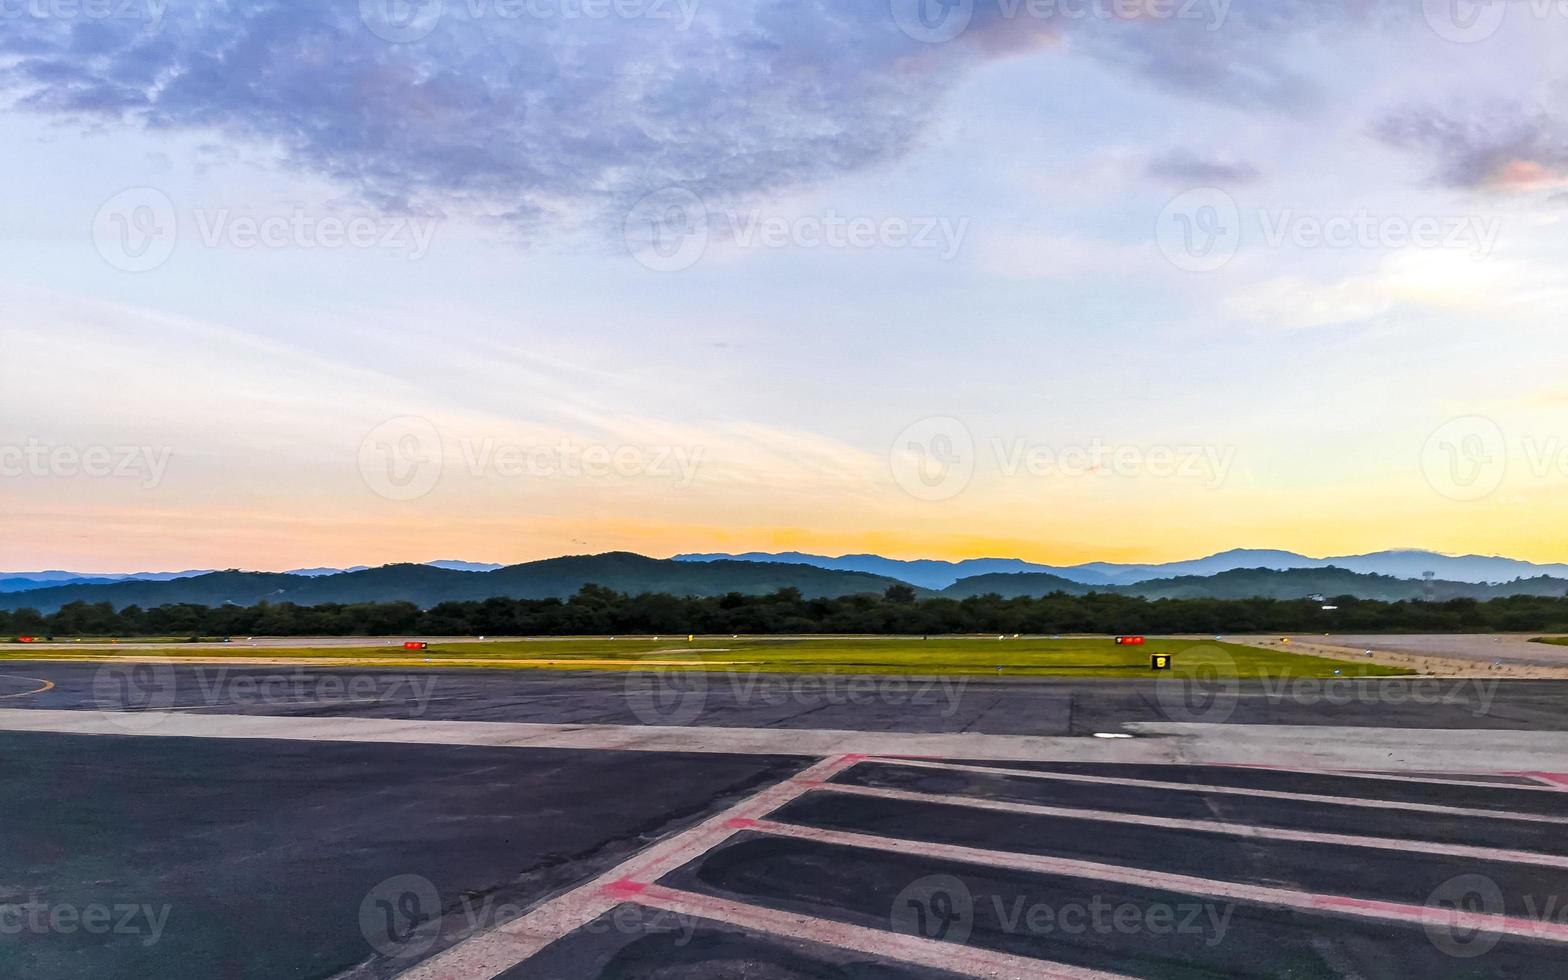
425,585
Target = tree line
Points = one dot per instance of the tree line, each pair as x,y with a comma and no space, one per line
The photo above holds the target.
598,611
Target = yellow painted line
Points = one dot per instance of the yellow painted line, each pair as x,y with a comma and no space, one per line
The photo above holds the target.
47,686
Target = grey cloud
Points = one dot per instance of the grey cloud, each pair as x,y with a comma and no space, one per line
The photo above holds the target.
1493,146
1182,166
541,122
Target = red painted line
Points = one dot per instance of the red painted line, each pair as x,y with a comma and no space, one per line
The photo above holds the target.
740,823
1186,884
949,957
1209,826
624,889
1457,811
491,953
1553,780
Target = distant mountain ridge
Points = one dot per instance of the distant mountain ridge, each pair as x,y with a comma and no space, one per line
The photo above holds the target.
428,585
1406,564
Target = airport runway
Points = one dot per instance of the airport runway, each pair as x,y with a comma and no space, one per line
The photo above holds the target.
744,699
540,827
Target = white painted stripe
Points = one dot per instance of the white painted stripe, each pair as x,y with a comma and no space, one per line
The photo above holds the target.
970,961
1272,794
1544,929
1252,831
491,953
1456,779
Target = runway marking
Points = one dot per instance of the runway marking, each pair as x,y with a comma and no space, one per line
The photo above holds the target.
970,961
1176,823
1456,811
47,686
1557,781
492,953
1544,929
1456,780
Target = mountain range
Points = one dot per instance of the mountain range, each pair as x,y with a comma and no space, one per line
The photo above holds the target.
432,583
1408,564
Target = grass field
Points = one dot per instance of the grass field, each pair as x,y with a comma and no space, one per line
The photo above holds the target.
1029,656
1561,641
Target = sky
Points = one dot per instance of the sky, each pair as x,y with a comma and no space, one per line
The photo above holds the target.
289,283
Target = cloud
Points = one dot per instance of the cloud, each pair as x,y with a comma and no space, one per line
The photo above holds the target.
1182,166
522,113
1505,148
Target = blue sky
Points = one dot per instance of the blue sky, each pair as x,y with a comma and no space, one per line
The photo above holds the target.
1296,263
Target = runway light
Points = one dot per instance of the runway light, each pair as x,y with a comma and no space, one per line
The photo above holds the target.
1111,735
